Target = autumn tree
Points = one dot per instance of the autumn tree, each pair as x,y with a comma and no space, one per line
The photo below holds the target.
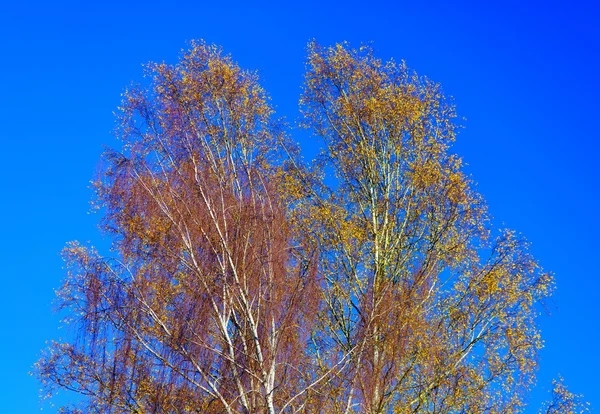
204,308
244,280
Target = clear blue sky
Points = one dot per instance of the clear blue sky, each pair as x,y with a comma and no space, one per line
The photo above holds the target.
524,76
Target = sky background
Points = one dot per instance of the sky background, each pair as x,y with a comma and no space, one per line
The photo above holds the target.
524,74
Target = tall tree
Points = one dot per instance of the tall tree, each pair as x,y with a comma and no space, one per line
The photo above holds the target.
246,281
203,309
437,314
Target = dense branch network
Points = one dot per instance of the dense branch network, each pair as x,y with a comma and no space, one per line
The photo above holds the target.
246,281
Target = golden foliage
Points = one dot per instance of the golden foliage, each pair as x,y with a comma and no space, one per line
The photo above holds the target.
247,281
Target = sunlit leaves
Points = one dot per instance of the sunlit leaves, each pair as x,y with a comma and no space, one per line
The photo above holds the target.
564,402
244,280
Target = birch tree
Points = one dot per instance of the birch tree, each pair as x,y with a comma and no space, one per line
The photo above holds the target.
204,308
244,280
436,312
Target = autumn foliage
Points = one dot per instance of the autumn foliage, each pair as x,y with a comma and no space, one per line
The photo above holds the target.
244,280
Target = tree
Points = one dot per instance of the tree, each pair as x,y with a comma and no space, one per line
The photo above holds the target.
245,280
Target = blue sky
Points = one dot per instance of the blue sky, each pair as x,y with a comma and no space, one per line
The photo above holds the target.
524,75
